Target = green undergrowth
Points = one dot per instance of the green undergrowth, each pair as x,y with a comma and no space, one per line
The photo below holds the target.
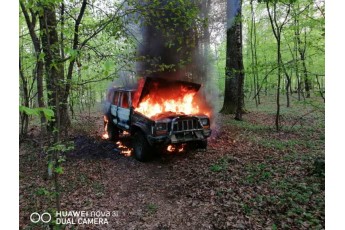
283,184
302,125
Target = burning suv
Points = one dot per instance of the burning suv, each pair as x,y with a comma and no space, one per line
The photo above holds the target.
159,113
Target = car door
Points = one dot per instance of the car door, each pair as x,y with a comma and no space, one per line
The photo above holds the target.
114,107
124,109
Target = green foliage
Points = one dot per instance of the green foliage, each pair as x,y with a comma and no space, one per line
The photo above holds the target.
107,67
55,159
59,170
71,53
48,113
221,165
216,168
246,209
258,173
152,208
294,191
61,147
98,188
42,192
295,197
311,22
28,110
176,23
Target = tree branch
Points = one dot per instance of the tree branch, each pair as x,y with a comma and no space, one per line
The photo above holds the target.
102,26
271,20
74,47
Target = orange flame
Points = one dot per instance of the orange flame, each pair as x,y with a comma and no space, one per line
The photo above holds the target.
126,132
174,149
151,106
170,148
105,135
181,149
124,149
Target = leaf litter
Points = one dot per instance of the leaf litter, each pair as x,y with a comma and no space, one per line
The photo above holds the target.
244,180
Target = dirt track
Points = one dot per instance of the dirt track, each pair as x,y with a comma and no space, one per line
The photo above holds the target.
169,192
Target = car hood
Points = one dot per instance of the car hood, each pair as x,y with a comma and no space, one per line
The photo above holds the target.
160,85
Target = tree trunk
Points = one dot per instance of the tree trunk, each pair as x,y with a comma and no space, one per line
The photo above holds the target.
24,118
40,95
54,78
265,79
65,119
296,62
287,89
307,83
254,55
302,50
278,85
287,83
277,30
206,40
320,88
31,23
240,98
234,61
52,59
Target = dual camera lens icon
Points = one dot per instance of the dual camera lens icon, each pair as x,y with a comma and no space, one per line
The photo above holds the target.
45,217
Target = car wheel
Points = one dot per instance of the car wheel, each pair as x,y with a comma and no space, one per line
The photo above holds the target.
113,131
141,148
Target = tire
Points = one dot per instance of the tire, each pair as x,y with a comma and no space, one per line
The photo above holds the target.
113,131
141,148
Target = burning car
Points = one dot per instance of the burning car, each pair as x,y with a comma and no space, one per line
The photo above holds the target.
159,113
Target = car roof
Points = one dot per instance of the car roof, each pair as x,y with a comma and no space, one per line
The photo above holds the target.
122,89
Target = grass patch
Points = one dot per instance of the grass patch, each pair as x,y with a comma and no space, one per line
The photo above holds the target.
42,192
222,164
217,168
298,200
249,126
294,201
283,144
257,173
246,209
98,188
152,208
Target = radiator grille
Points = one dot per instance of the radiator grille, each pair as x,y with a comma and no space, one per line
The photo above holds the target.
186,124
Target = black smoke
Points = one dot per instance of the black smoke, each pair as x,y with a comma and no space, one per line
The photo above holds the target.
168,40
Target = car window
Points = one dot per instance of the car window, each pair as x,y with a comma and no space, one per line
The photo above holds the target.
124,100
116,98
132,98
110,96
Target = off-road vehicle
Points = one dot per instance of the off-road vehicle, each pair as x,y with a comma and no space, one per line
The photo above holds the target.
157,131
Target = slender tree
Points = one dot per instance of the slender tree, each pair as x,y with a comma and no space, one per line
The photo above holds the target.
302,48
54,75
205,12
277,28
52,59
24,118
31,17
254,59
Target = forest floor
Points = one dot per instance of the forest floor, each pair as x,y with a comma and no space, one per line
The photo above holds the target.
250,176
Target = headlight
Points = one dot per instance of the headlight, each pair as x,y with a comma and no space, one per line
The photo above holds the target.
204,121
161,126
